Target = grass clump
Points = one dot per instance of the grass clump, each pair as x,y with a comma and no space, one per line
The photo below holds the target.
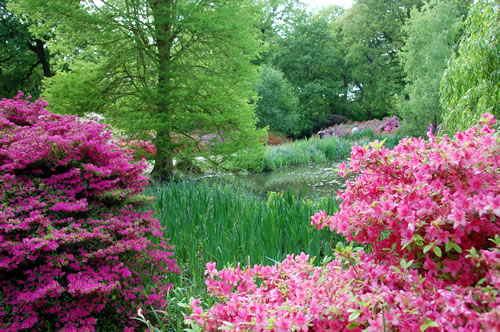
222,223
315,150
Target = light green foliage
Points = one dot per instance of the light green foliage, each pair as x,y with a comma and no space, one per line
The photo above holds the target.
300,152
432,32
470,85
372,34
277,104
77,91
177,70
277,17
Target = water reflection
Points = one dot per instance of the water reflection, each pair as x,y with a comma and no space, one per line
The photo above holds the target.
311,180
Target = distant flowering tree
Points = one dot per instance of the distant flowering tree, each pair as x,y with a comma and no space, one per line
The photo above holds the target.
428,212
75,253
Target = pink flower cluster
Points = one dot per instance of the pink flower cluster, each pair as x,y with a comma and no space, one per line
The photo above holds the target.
385,126
138,147
75,254
428,215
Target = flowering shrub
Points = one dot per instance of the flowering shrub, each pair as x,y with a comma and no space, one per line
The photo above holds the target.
74,251
389,125
142,149
428,212
276,138
385,126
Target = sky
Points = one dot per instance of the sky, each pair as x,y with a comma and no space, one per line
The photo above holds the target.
321,3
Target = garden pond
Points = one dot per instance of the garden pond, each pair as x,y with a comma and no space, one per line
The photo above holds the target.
314,180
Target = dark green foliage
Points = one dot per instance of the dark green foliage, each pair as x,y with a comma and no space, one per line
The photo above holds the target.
310,58
372,34
24,60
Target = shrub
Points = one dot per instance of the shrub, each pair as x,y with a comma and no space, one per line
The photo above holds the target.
75,253
425,211
142,149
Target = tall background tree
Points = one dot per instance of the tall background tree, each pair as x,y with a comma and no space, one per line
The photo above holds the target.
310,58
431,34
471,83
277,106
373,35
179,70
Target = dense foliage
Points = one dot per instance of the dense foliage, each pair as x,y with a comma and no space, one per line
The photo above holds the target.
24,59
432,32
471,83
167,69
198,214
428,212
277,106
75,253
186,74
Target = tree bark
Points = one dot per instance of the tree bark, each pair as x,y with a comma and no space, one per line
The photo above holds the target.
43,56
162,10
346,91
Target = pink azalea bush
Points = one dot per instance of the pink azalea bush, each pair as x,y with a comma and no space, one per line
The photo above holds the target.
141,149
385,126
75,252
428,215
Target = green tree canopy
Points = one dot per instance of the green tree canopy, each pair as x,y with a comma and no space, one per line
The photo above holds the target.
277,106
432,32
373,35
309,55
470,85
179,70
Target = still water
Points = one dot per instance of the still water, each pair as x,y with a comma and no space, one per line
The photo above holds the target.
311,180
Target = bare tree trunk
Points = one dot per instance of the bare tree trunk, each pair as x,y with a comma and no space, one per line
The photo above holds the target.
43,57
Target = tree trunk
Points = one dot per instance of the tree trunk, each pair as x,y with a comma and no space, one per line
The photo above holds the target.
346,98
164,163
43,57
162,11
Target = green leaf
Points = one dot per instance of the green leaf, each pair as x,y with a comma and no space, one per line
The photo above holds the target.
321,280
428,323
481,281
397,269
428,247
406,245
354,315
448,246
457,248
227,326
438,251
352,326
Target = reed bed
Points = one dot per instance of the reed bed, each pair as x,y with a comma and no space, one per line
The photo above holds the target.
224,224
315,150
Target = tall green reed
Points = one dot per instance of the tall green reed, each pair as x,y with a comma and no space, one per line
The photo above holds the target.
315,150
225,224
